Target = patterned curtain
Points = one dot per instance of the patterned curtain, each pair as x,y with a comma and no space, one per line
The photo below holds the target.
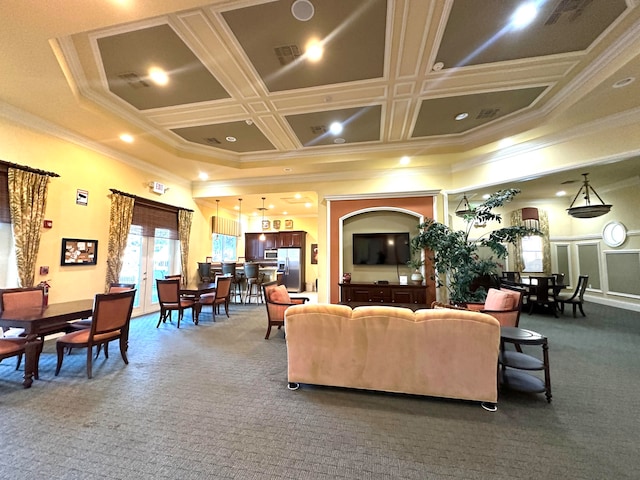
543,218
184,230
119,225
518,262
27,202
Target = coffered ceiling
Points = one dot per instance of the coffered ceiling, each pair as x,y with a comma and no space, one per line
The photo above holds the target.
243,100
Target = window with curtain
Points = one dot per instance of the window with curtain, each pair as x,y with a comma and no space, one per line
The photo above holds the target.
8,265
532,254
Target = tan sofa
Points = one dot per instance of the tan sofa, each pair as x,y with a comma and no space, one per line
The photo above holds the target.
436,352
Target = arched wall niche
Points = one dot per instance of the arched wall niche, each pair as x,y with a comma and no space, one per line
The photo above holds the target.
418,207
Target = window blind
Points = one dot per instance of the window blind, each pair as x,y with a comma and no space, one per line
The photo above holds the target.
225,226
154,221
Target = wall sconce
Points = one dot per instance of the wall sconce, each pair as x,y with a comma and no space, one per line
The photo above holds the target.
588,210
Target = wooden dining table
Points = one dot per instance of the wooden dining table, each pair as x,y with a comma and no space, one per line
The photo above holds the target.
39,321
195,289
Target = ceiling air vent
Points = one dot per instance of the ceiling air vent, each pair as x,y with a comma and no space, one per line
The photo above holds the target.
212,141
573,8
319,130
287,54
488,113
133,80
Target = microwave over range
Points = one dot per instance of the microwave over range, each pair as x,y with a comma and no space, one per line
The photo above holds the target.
271,255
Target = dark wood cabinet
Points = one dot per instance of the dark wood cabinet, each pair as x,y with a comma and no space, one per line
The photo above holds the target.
291,239
254,248
391,293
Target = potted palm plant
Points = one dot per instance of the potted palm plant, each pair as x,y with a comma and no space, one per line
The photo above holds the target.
455,257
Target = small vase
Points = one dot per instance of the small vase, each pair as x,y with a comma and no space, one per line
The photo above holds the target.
346,278
416,277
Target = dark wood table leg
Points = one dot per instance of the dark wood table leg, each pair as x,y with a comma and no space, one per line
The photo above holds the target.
32,354
547,378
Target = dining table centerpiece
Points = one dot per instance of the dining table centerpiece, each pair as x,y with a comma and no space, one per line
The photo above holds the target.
455,256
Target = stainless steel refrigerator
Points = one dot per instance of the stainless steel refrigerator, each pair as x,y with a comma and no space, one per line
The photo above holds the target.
291,265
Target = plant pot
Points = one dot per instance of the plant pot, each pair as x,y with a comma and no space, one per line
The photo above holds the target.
416,277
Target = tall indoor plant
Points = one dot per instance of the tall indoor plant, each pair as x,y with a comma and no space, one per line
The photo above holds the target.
455,257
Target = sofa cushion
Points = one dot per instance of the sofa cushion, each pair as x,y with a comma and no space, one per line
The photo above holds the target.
498,300
280,295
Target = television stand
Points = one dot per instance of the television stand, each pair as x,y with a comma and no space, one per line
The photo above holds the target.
358,294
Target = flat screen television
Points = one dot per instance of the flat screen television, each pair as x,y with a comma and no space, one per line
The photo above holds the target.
381,248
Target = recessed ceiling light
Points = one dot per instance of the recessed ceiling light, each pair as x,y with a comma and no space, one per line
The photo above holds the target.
158,76
524,15
485,196
288,169
335,128
461,116
285,213
405,160
297,195
438,66
339,140
313,51
125,137
203,176
561,193
308,205
230,139
624,82
271,206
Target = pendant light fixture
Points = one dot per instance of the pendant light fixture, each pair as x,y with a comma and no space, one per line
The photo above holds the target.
262,235
216,229
464,209
239,217
588,210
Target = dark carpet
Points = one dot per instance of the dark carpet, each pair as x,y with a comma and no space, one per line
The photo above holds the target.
210,401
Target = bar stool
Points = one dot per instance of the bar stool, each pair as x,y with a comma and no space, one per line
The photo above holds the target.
254,289
229,270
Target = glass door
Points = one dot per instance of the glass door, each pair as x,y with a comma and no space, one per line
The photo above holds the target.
145,260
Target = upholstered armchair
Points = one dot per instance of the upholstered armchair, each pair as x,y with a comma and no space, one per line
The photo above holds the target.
277,300
504,305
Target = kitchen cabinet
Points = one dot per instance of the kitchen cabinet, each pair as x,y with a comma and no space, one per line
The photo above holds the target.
291,239
254,248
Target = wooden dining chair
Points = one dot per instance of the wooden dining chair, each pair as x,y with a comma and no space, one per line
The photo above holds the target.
219,297
542,293
171,300
111,317
577,298
17,298
13,347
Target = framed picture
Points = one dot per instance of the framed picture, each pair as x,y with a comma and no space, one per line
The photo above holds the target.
77,251
276,224
209,260
266,224
82,197
288,224
314,254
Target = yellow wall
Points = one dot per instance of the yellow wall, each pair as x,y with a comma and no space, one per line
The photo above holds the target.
81,168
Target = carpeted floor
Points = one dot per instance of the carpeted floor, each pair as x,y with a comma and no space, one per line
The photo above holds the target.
210,401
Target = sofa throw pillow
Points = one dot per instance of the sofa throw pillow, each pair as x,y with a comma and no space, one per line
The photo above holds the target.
280,295
498,300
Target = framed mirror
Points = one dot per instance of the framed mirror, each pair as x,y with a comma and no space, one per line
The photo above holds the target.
614,234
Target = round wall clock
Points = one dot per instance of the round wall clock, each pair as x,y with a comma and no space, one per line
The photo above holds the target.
614,234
